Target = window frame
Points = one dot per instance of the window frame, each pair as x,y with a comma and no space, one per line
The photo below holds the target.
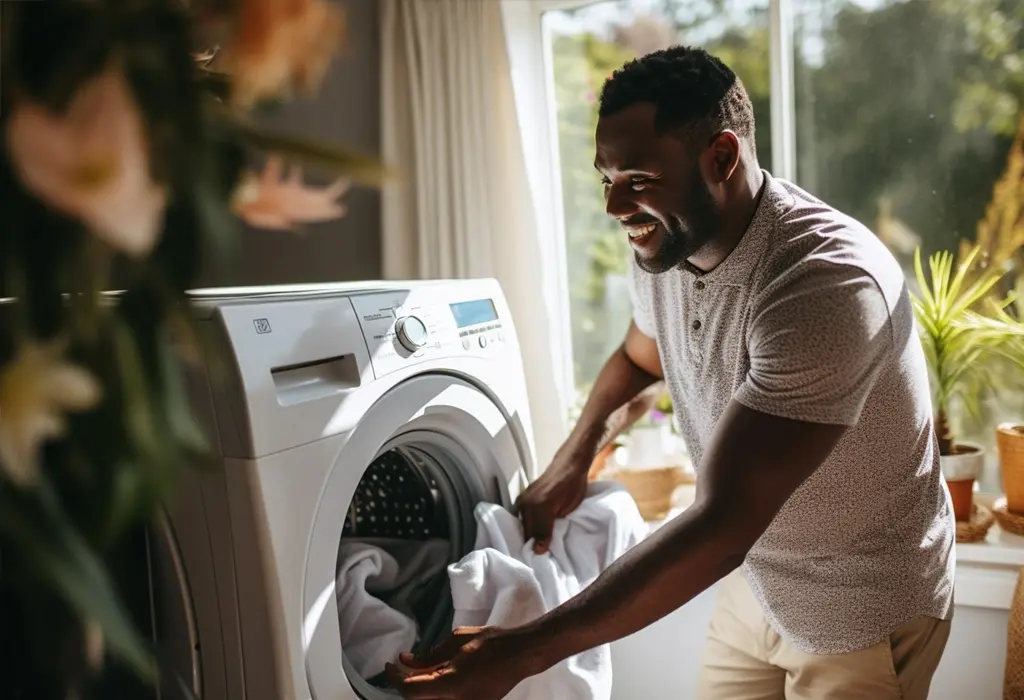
531,62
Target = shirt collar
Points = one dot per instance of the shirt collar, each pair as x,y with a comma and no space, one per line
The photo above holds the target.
740,263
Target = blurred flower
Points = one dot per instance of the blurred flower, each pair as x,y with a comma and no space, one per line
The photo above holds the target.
281,43
91,162
36,389
94,644
271,200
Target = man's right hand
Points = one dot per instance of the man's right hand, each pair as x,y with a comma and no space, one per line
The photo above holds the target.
555,494
613,405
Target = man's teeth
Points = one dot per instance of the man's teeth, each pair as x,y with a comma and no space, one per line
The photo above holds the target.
638,231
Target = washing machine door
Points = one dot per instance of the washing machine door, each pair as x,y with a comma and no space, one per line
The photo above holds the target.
446,420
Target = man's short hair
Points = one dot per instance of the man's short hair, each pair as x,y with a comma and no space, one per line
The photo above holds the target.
689,87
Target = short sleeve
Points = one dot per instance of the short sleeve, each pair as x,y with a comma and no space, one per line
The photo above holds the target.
818,339
640,297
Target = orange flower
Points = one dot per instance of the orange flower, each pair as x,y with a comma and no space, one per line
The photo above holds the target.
92,162
283,43
273,201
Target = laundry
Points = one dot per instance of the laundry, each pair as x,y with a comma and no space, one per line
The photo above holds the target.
503,582
379,584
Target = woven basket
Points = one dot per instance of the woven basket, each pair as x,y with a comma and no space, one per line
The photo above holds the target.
975,529
1011,522
652,488
1010,441
1013,676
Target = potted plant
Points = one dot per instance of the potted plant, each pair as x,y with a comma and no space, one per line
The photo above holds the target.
1010,436
958,341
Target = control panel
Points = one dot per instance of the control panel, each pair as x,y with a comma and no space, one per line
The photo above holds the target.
403,326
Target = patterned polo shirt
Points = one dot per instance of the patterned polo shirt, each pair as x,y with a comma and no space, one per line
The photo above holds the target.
809,318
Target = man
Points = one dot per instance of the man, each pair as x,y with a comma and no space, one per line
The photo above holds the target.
784,332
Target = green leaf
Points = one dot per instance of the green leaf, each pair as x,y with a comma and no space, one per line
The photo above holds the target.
37,528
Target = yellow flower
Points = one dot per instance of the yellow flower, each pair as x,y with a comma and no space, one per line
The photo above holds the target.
280,44
91,162
271,200
36,390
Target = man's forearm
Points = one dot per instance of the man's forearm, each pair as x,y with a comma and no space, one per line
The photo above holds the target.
656,577
606,411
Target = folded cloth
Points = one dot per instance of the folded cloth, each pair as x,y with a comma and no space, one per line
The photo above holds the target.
377,583
504,583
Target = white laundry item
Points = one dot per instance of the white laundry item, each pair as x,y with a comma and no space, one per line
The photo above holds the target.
377,582
504,583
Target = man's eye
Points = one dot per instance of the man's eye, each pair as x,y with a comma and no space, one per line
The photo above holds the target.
638,183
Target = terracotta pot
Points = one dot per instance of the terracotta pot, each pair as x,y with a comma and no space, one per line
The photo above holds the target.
1010,441
601,461
960,470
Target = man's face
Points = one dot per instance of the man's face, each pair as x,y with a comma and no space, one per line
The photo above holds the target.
654,187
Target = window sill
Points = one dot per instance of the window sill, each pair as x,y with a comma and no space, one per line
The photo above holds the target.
986,572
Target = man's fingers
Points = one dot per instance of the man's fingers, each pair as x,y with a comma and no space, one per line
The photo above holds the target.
437,655
541,532
526,516
429,685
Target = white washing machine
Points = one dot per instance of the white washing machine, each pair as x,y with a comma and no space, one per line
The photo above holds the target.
336,407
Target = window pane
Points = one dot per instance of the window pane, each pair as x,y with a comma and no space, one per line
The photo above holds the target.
589,43
905,116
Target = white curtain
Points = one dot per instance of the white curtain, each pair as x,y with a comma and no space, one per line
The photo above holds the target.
463,206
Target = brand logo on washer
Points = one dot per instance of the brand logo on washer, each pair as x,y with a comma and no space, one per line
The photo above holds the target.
262,325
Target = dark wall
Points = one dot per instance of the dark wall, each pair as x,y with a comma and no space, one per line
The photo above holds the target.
347,109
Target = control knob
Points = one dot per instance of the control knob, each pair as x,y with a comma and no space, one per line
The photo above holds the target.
412,333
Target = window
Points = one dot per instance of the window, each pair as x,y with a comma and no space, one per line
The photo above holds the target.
902,113
905,113
585,45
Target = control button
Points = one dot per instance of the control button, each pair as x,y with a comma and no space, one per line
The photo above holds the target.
695,325
501,336
483,341
412,333
466,343
698,285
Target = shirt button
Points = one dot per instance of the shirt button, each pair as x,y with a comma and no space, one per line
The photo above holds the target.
698,285
695,325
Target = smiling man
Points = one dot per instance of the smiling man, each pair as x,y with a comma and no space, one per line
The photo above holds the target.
784,332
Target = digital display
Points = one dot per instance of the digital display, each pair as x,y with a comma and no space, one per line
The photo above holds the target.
470,313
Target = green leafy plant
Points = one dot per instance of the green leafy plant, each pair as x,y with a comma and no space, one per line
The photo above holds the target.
961,331
124,148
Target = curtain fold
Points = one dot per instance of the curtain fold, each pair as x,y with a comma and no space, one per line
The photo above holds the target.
463,206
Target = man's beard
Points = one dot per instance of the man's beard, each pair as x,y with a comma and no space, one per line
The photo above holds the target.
680,241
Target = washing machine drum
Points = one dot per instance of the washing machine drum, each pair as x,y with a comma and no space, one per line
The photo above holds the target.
433,450
395,499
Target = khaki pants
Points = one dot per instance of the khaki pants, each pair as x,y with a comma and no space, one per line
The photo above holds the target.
747,660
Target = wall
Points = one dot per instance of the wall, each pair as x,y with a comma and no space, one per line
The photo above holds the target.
347,109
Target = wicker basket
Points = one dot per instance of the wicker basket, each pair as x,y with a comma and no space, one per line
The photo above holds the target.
1013,676
652,488
1011,522
1010,440
975,529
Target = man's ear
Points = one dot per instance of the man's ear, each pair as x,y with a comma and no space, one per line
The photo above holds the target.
720,158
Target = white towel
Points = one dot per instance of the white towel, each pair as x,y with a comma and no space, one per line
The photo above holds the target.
504,583
377,583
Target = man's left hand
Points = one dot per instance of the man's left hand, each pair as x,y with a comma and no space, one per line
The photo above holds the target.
474,663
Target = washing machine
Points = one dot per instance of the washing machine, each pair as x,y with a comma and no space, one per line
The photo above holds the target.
335,412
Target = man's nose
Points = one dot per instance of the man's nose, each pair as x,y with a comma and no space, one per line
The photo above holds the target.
618,202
